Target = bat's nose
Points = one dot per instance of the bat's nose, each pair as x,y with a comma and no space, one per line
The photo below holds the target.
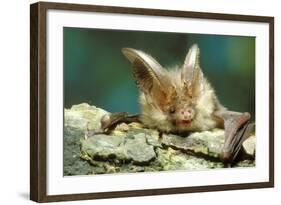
187,114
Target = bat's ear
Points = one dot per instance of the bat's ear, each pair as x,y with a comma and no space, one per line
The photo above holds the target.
191,74
149,75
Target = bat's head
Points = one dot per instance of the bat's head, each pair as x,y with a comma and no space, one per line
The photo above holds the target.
168,98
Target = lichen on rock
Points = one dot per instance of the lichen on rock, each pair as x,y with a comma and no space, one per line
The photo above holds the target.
134,148
83,116
208,143
119,149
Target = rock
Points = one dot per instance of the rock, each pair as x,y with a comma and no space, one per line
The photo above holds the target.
133,148
139,150
83,116
118,148
72,163
76,121
245,163
208,143
123,127
249,145
104,147
171,159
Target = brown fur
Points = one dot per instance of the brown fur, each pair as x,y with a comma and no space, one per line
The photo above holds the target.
177,100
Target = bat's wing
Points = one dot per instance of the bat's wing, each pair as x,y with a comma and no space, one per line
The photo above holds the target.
110,121
237,129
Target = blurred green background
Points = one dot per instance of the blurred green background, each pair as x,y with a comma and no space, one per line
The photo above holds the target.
96,72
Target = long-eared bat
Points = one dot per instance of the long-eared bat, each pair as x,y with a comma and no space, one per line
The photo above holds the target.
180,100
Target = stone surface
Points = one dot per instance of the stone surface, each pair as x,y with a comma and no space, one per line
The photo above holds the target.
72,163
83,116
76,121
207,143
138,149
118,148
249,145
134,148
104,147
171,159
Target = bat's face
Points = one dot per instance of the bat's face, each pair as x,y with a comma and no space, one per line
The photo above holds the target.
181,114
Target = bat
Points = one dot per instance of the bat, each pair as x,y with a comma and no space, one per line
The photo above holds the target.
181,100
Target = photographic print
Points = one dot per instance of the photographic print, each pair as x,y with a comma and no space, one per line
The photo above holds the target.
138,101
135,102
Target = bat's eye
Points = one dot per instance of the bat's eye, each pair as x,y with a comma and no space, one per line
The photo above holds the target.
172,110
